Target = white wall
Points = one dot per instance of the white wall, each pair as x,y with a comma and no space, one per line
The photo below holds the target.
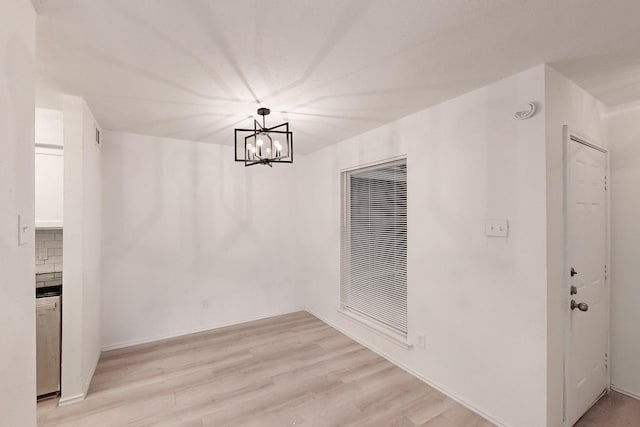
566,104
82,250
192,240
480,301
91,246
17,271
71,381
624,134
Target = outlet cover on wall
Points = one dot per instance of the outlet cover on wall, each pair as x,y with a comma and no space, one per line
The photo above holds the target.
421,340
496,227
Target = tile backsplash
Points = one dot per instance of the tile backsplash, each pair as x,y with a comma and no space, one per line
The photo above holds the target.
48,279
49,261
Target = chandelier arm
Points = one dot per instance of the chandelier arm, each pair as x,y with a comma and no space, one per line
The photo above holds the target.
253,155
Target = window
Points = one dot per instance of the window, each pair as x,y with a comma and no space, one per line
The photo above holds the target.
374,244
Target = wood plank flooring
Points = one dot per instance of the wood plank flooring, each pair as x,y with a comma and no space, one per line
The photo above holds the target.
613,410
282,371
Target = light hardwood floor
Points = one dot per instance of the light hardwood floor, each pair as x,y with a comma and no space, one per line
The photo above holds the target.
282,371
613,410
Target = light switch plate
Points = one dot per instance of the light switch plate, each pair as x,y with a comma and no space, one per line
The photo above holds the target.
24,231
496,228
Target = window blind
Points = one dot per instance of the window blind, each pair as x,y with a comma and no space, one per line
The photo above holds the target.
374,244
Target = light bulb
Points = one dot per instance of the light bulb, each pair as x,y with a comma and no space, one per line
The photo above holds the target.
277,144
268,150
249,146
260,142
252,149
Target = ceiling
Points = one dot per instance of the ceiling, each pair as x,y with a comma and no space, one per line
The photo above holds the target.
195,69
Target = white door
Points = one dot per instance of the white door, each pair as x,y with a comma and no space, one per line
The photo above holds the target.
588,308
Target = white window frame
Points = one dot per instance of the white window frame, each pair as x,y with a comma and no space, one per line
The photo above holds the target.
375,325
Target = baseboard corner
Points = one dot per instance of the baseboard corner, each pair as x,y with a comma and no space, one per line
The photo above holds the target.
627,393
71,399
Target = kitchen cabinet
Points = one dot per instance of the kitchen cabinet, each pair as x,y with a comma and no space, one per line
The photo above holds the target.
49,171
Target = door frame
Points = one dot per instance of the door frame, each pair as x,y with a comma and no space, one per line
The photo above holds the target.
568,135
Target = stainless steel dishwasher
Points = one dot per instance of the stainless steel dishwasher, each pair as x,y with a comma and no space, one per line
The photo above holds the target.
48,336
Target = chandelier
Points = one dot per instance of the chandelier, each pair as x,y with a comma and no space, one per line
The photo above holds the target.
262,145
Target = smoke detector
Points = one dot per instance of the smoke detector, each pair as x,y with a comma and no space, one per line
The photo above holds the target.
525,112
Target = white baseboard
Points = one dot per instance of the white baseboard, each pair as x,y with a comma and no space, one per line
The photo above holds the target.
138,341
625,392
409,370
71,399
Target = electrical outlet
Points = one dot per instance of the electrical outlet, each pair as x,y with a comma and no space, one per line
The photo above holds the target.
205,304
496,227
422,340
42,254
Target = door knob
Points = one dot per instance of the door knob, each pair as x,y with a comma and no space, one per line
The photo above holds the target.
580,306
573,272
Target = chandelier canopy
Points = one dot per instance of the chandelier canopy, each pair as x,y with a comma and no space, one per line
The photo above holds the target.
262,145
